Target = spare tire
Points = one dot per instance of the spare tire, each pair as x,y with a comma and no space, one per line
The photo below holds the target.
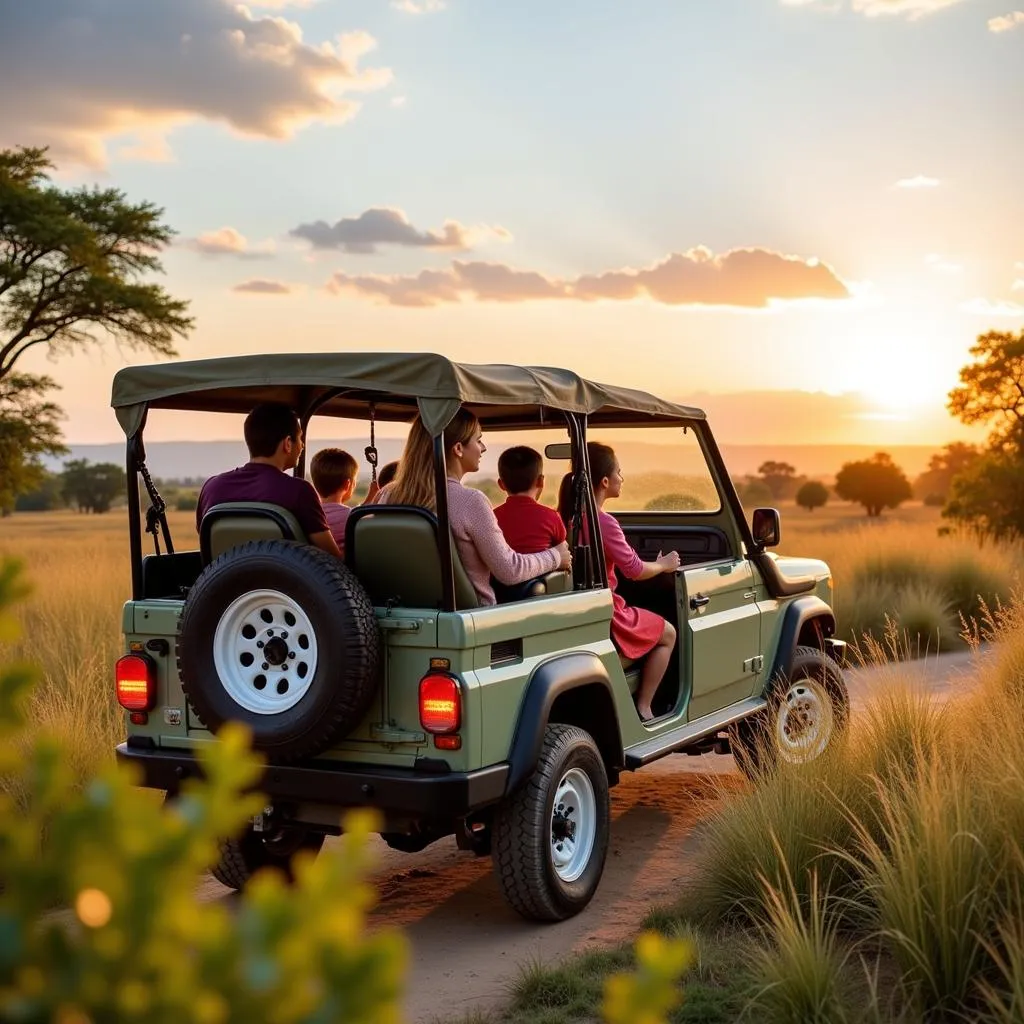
281,636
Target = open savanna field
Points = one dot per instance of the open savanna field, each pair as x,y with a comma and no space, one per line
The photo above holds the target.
896,567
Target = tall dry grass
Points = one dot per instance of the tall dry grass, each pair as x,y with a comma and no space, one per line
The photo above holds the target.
909,839
78,568
901,571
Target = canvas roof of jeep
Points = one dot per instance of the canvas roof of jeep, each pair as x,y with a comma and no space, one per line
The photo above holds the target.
500,394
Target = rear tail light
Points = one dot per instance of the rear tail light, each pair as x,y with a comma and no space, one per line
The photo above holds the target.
440,703
136,682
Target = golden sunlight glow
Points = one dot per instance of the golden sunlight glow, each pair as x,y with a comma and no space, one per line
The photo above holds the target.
899,377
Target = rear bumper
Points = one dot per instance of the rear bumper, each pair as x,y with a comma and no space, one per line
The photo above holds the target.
419,794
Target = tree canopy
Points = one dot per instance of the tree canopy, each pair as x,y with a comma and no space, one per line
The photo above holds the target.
876,483
71,263
987,494
992,388
29,429
934,484
92,486
812,495
778,477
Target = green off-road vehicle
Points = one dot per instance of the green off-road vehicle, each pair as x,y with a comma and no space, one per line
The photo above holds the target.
382,683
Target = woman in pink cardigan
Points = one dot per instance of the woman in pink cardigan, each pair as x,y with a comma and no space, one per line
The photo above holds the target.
478,538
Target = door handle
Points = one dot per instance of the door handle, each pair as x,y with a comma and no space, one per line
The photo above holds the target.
698,601
749,594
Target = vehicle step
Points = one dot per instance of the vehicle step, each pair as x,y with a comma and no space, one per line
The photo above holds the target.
682,736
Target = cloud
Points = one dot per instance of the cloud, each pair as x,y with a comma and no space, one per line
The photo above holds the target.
911,9
398,101
919,181
988,307
745,278
262,286
88,71
277,5
382,225
1006,22
419,6
942,264
227,241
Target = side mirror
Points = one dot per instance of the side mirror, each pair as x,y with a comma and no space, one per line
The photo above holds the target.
766,527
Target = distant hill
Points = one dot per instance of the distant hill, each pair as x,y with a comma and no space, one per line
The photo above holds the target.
184,459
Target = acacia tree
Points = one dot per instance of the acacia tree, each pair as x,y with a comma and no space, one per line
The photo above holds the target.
72,263
876,483
778,477
992,388
934,484
987,496
812,495
28,430
91,486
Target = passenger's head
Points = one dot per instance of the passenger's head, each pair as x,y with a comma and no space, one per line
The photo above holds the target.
387,473
521,471
414,483
273,431
605,479
333,472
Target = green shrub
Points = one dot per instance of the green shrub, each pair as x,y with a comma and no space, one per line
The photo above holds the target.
777,836
928,881
924,615
187,502
676,501
865,609
972,584
799,968
135,945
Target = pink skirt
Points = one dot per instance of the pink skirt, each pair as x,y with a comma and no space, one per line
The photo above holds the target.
635,631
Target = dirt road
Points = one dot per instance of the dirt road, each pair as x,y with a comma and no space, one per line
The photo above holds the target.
467,945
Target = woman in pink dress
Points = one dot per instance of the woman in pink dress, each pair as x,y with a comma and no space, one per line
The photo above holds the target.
635,631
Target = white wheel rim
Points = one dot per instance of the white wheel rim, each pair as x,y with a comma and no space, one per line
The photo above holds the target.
573,825
805,722
265,652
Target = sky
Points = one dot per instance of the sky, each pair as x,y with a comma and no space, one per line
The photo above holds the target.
796,213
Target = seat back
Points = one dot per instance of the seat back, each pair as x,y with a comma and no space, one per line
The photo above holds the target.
232,523
393,550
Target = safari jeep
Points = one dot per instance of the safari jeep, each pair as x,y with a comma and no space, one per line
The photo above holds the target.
382,683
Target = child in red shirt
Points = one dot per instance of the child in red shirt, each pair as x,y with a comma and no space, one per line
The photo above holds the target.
528,526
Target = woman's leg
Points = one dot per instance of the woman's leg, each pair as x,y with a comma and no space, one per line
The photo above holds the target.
654,669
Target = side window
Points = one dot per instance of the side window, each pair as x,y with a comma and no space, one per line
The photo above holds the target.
551,470
353,437
663,470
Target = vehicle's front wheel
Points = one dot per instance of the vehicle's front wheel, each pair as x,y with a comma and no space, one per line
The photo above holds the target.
807,713
550,837
241,857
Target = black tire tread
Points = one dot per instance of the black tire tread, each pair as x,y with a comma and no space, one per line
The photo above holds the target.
521,872
338,584
232,869
242,856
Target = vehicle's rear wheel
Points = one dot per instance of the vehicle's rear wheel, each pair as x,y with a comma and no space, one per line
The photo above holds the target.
550,838
242,857
807,714
280,636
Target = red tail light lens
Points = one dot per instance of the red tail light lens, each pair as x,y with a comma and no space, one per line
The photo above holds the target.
136,682
440,703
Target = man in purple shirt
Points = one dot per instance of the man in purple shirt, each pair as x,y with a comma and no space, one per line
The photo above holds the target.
273,435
